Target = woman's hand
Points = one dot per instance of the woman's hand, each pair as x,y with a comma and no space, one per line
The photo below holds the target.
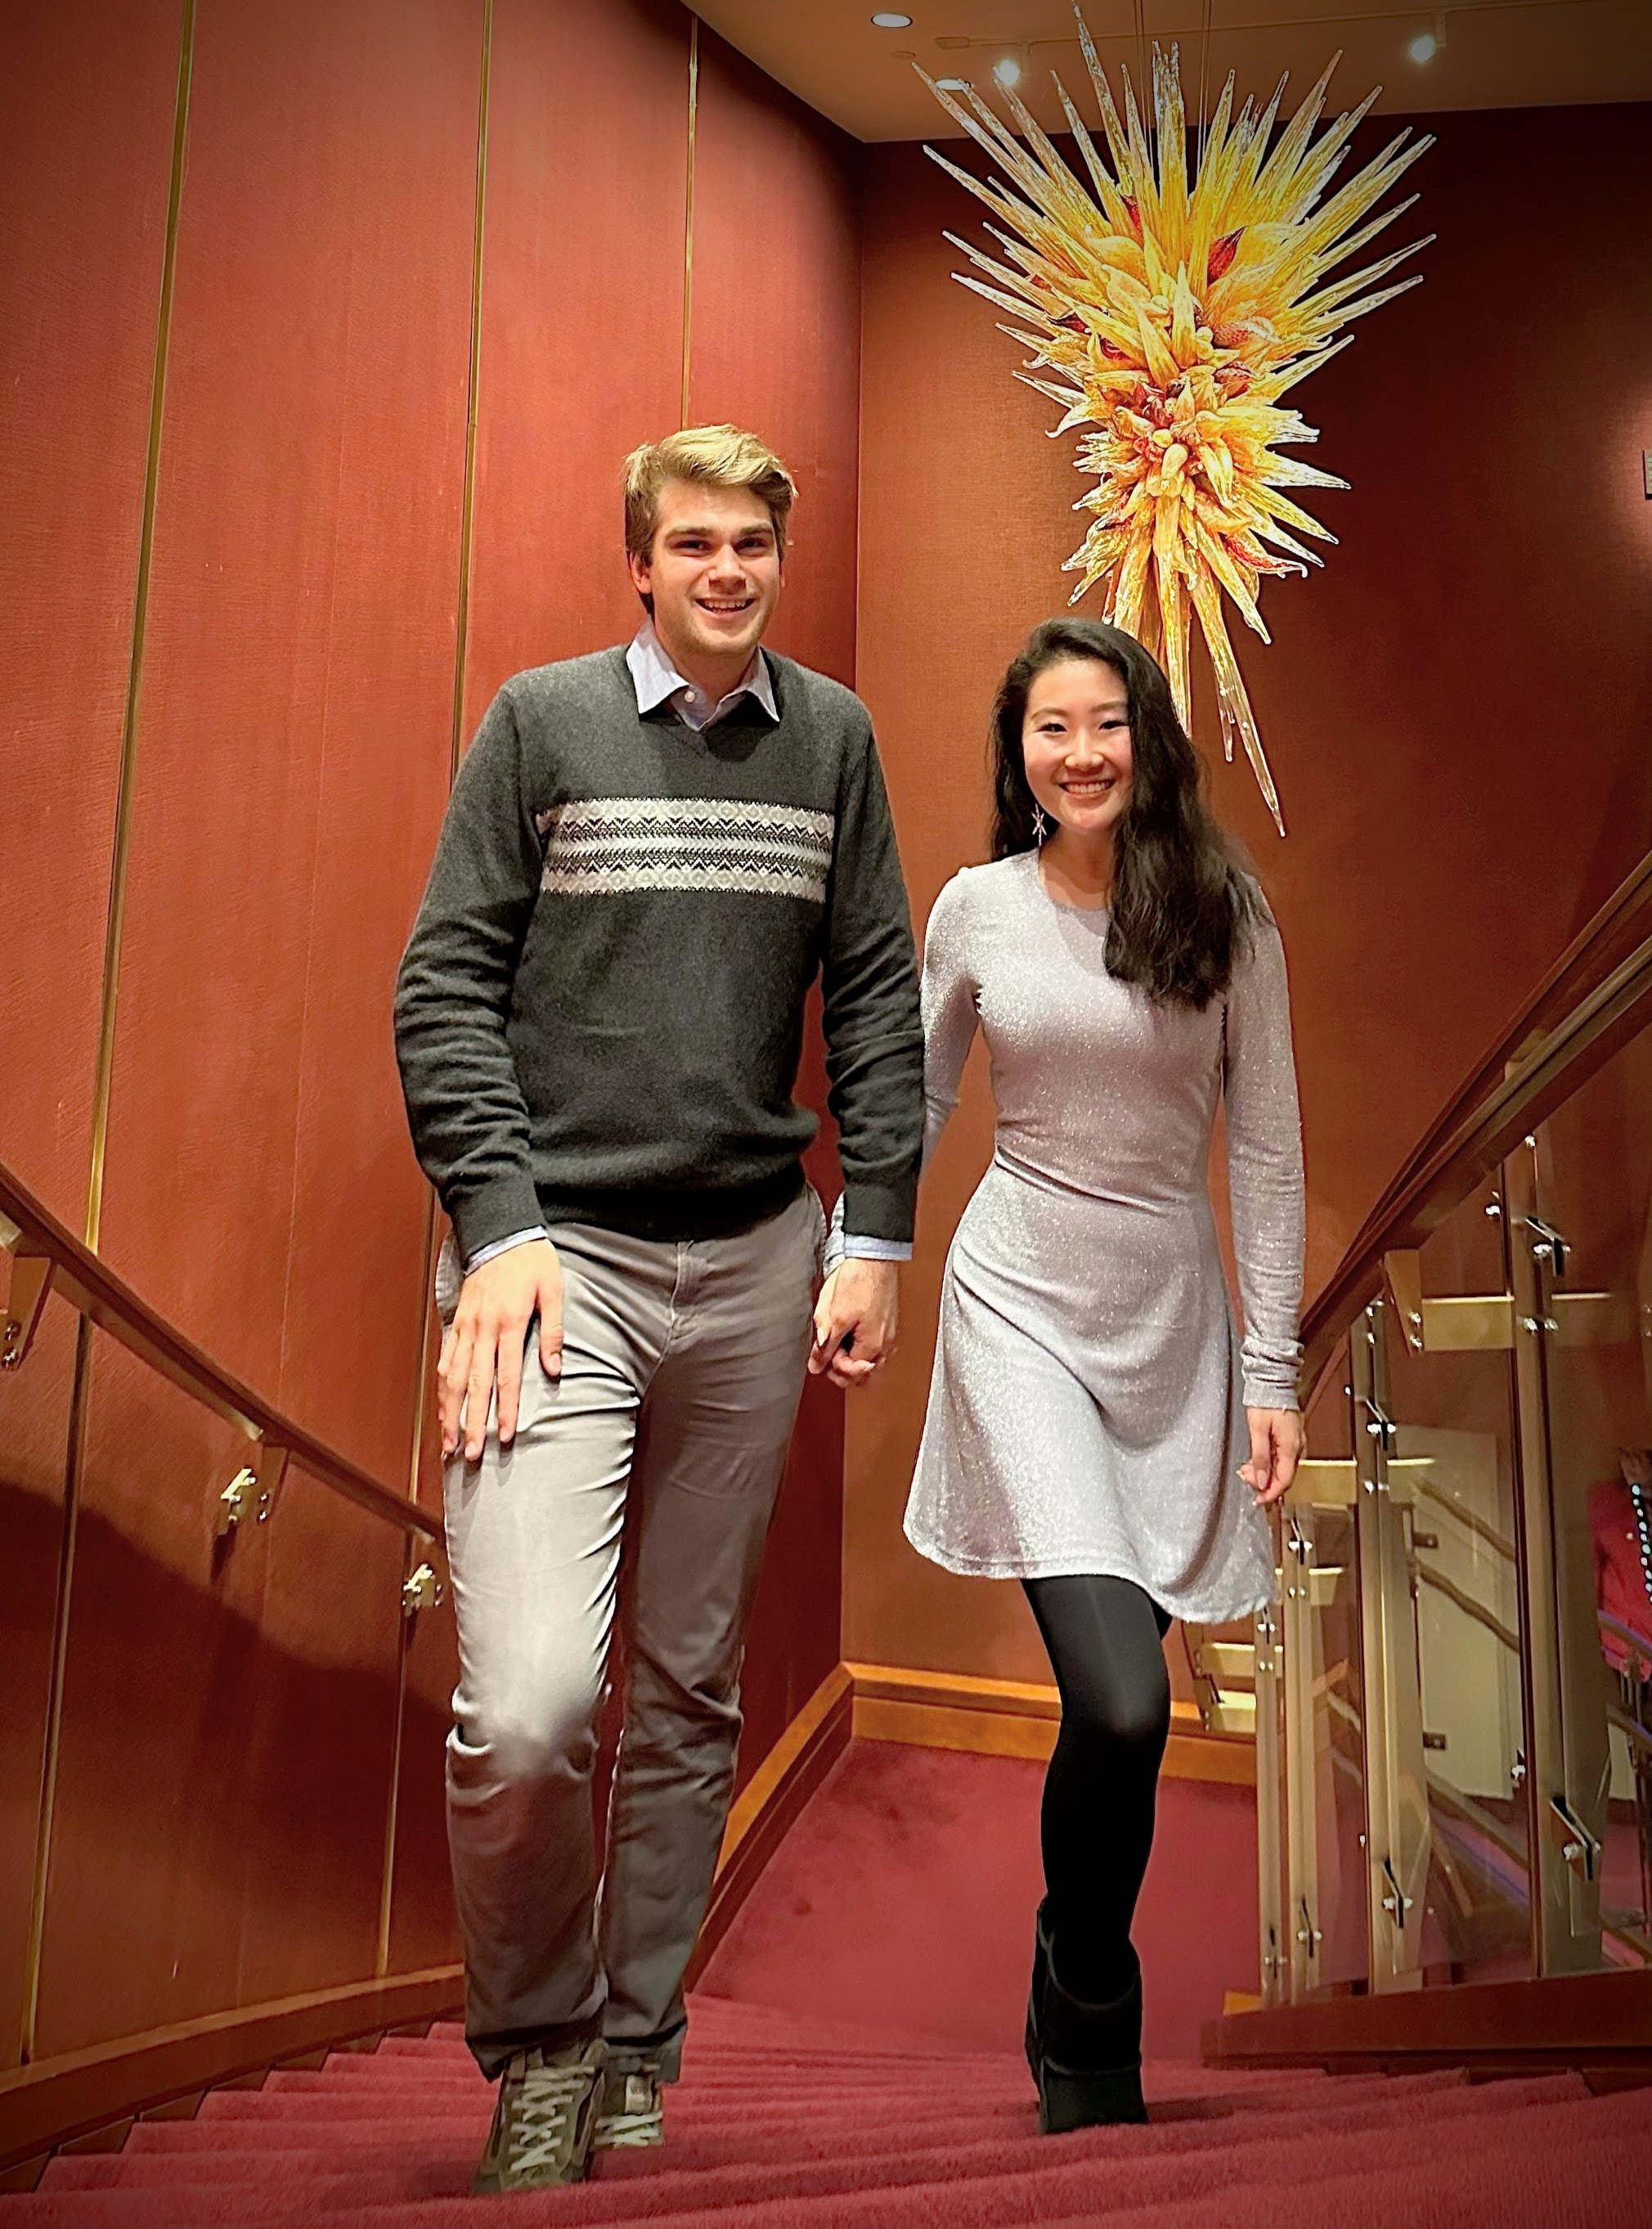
1276,1443
855,1322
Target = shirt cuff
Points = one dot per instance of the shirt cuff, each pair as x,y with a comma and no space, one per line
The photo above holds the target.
877,1250
503,1246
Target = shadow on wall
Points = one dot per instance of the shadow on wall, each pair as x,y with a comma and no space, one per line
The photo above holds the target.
225,1839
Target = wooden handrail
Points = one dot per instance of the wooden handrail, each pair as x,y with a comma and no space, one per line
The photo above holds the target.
1597,996
47,1256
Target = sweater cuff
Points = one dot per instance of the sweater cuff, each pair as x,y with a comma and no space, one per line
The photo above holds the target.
498,1210
1269,1390
873,1209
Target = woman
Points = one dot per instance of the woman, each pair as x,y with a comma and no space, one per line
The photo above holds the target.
1094,1422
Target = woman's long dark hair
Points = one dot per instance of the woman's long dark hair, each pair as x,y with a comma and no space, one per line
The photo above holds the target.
1180,903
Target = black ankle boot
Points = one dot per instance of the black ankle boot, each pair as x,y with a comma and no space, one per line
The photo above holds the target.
1035,1995
1086,2059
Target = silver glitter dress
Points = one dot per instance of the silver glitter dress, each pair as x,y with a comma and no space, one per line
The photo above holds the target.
1087,1408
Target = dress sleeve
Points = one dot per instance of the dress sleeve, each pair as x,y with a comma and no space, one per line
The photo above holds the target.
948,994
1265,1170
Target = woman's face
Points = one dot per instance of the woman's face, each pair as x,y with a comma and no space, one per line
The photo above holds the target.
1076,743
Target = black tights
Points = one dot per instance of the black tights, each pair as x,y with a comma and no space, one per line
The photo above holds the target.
1103,1637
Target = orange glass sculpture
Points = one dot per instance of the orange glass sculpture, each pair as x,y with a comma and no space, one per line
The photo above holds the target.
1170,315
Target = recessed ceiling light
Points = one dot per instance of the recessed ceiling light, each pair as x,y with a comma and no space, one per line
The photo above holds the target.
1423,46
1006,72
953,84
887,20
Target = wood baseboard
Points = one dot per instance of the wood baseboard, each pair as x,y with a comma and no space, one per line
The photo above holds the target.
1597,2024
1014,1718
47,2106
93,2096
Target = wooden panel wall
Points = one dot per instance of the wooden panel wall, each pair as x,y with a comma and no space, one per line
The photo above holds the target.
384,476
85,138
775,334
581,340
1455,708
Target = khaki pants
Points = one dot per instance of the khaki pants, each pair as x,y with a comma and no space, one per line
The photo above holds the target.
681,1370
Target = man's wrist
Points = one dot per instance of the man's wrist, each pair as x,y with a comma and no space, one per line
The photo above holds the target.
877,1249
503,1246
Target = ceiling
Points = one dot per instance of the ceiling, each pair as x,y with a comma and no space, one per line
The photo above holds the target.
1494,53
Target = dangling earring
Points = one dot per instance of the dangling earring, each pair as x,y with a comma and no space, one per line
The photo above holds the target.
1040,826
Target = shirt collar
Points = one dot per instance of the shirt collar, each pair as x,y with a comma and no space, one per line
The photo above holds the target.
656,680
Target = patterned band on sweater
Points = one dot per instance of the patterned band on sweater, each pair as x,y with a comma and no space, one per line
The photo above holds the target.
613,843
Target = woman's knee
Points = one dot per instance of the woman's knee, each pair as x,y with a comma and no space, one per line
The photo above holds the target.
1130,1718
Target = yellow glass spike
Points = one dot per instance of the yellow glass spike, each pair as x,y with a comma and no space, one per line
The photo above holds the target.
1169,307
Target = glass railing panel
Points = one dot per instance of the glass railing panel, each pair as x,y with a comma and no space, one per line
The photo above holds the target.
1589,1232
1456,1748
1322,1682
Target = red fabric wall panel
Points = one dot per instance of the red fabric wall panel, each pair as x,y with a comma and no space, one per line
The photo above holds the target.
355,1315
319,1741
581,320
86,133
423,1929
292,735
156,1843
777,323
1455,708
776,346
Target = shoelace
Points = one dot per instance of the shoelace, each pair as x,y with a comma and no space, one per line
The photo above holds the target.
638,2122
541,2121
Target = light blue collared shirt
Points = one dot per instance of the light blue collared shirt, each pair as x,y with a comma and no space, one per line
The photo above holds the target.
658,682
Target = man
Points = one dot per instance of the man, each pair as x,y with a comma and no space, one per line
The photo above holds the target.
650,854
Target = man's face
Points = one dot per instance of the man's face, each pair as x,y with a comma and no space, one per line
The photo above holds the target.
713,573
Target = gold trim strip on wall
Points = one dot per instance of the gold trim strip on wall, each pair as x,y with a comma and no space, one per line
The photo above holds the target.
52,1742
687,214
468,502
125,791
392,1806
74,1454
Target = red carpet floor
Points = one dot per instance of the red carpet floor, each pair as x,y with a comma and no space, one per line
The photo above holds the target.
787,2119
905,1895
785,2123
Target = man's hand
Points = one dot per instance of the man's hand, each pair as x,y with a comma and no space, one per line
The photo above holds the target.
485,1341
855,1322
1276,1443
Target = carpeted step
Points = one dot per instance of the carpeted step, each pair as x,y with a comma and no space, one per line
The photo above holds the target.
1575,2188
1301,2186
1515,2159
662,2187
708,2141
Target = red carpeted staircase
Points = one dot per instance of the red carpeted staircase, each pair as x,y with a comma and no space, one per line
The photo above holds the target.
782,2123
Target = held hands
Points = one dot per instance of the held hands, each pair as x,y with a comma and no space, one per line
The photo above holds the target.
855,1320
1276,1443
484,1343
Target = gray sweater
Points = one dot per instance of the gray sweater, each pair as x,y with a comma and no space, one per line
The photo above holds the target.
600,1014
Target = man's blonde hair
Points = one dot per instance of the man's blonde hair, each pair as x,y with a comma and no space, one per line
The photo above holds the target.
703,456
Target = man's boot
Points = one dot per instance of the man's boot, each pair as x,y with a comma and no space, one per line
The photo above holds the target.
1086,2059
